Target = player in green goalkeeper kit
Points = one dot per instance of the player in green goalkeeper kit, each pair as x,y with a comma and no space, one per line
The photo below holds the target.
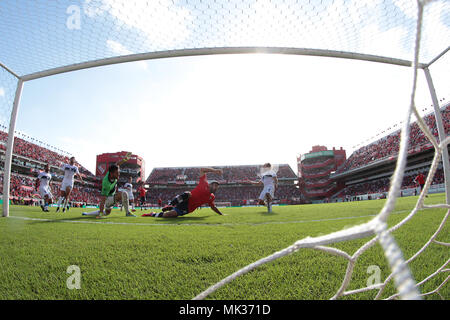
109,196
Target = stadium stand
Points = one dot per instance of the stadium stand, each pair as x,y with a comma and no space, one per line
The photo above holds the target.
366,173
231,174
379,187
33,151
28,159
165,183
388,146
22,191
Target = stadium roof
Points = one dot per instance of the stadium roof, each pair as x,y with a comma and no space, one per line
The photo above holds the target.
42,38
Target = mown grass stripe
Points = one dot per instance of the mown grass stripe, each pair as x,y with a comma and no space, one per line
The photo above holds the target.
200,224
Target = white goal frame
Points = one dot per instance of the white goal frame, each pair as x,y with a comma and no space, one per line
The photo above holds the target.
377,227
214,51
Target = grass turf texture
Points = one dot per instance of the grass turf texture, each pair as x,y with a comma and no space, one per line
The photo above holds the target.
149,258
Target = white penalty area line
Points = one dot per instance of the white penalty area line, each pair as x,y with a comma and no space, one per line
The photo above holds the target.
198,224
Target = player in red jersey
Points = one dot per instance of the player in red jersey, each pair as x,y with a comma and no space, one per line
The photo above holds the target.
159,202
187,202
141,191
420,179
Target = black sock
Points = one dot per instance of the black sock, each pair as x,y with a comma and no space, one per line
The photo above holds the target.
157,214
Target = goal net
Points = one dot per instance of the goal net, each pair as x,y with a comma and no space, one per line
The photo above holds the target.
43,38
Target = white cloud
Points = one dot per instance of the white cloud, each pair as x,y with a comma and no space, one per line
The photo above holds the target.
385,43
93,8
341,26
354,26
436,35
409,8
2,92
119,49
160,22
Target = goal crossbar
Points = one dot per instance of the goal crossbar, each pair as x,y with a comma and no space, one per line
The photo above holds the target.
217,51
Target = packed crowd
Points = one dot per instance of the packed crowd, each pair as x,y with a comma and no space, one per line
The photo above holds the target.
36,152
162,175
20,186
85,194
285,171
230,174
382,185
388,146
23,187
224,193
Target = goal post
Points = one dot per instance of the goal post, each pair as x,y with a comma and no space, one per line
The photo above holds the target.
9,80
441,132
10,148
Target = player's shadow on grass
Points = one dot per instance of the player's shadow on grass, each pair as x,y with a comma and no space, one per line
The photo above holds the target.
267,214
57,219
130,220
180,219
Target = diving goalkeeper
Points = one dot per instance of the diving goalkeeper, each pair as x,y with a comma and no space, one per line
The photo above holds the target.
187,202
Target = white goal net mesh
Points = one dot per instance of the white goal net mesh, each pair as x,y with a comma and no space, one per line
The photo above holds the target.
8,84
40,35
42,38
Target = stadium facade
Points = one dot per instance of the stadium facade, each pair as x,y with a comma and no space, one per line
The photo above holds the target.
315,169
134,167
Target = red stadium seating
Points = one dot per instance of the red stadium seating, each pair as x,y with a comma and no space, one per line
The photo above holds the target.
388,146
165,183
39,153
382,185
22,186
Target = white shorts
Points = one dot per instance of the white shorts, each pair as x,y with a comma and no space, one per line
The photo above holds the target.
66,184
267,189
130,194
109,203
45,191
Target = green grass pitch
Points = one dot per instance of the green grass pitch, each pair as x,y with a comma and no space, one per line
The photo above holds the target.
149,258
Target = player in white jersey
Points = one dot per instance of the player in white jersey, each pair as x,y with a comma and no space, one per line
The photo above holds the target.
70,170
270,181
128,188
43,187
